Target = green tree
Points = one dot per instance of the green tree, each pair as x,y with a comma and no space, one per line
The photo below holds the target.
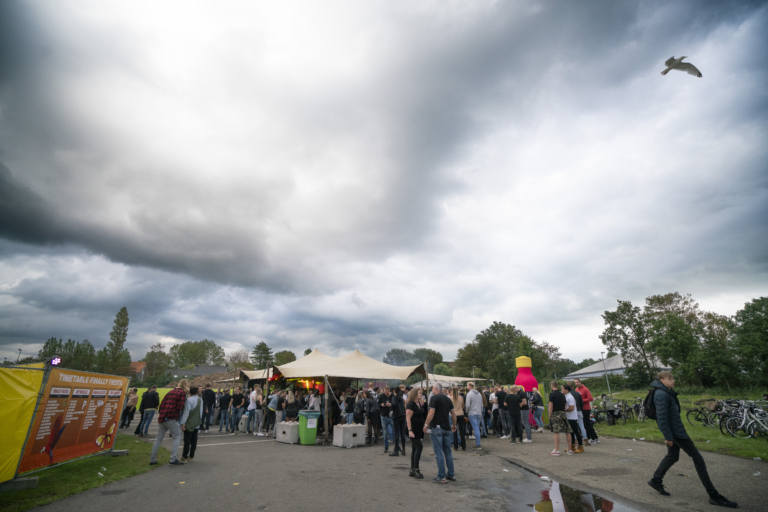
262,356
718,351
115,358
751,340
443,369
675,341
158,361
239,359
75,355
401,357
52,347
308,351
627,333
546,361
500,344
467,357
432,357
203,352
284,357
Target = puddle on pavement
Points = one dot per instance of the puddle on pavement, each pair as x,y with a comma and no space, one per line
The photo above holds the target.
562,498
533,491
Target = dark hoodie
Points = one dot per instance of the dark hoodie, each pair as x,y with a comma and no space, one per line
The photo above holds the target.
668,412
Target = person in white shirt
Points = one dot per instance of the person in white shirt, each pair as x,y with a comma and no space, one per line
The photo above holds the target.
573,417
494,411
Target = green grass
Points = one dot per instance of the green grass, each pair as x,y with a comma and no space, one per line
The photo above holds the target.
60,482
706,439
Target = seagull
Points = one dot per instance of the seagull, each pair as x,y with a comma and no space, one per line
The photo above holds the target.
679,65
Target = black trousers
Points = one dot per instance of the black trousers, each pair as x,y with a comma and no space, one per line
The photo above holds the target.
417,446
497,429
125,421
515,426
673,455
190,443
576,430
271,417
460,434
398,425
591,434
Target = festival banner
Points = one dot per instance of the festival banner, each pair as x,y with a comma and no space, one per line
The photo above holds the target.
78,416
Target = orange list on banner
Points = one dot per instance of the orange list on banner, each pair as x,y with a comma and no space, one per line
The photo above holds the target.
78,416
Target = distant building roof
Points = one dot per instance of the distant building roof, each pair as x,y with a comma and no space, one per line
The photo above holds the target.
614,364
138,366
207,370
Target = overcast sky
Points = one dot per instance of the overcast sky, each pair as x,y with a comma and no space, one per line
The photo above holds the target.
372,175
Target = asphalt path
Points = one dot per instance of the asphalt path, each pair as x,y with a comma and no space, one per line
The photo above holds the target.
257,473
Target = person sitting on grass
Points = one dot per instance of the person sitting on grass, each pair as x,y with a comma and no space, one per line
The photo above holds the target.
675,437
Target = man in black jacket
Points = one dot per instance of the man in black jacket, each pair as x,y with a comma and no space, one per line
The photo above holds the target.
209,403
150,401
675,437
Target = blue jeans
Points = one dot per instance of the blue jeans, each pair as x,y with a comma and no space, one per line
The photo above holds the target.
537,417
441,445
351,418
207,418
476,420
224,419
251,419
234,418
388,430
581,424
146,421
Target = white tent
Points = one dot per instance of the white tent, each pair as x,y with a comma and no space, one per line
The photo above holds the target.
445,380
353,366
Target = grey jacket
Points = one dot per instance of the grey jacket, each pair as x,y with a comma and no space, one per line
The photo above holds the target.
668,412
474,403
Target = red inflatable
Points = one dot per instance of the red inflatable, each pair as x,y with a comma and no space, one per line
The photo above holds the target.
526,379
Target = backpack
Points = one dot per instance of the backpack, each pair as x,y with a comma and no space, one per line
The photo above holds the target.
649,406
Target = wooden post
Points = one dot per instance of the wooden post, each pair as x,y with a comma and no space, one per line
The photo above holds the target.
426,373
325,421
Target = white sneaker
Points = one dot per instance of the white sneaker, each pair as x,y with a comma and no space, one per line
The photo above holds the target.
260,434
527,441
471,437
504,437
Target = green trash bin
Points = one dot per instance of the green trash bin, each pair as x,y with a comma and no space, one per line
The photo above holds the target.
308,426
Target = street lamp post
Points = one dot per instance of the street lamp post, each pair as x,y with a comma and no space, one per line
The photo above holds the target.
606,375
473,371
17,357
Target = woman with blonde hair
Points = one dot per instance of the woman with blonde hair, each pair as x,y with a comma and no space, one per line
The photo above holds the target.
291,407
415,416
461,431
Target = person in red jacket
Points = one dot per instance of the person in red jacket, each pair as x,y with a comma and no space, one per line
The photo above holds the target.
588,398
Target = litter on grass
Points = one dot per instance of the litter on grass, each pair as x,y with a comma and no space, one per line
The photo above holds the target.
100,474
642,439
753,458
103,469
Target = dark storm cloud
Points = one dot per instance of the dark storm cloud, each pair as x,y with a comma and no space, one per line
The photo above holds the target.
334,224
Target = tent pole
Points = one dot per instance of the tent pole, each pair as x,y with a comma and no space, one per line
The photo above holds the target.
327,387
426,373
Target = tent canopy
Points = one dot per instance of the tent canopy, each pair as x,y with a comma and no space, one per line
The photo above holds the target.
444,380
257,374
353,366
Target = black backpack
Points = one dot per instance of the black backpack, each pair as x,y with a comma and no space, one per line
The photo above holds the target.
649,406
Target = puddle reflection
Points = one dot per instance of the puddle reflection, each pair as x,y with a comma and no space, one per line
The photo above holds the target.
561,498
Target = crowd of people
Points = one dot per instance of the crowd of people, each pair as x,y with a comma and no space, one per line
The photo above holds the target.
450,416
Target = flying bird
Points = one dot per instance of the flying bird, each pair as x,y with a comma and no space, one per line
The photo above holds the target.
679,65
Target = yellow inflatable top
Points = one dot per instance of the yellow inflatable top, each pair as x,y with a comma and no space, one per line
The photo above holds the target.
523,362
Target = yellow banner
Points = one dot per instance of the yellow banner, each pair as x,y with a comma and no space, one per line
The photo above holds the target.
20,387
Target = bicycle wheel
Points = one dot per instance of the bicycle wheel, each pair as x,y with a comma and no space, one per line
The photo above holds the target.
723,421
754,429
713,420
737,427
641,415
629,415
694,417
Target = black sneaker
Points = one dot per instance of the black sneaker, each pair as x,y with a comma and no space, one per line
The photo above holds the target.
660,488
153,463
418,474
436,480
412,473
722,501
394,454
451,478
175,463
386,449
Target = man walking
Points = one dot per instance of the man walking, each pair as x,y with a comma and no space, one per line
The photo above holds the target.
587,398
439,419
209,403
557,418
675,437
474,406
512,403
168,421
